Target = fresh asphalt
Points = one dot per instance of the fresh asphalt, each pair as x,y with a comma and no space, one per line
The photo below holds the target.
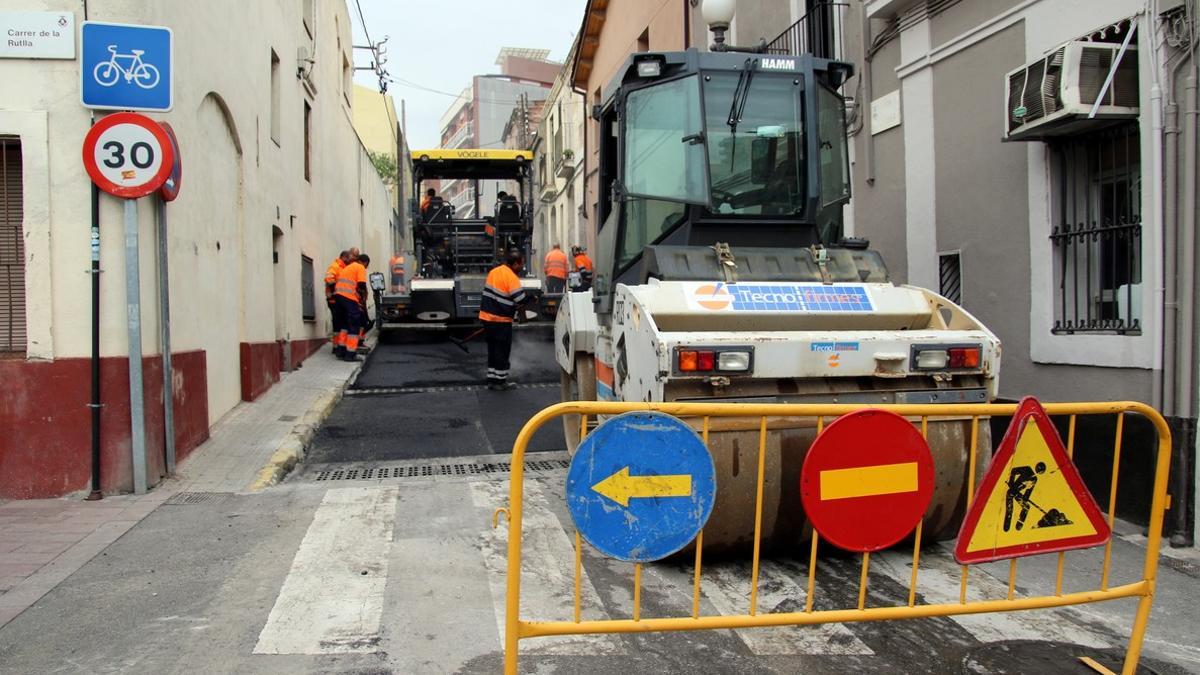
421,397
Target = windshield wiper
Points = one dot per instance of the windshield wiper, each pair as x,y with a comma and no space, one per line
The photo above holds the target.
741,94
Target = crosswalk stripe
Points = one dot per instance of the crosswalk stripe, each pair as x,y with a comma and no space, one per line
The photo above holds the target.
939,582
332,599
547,573
727,587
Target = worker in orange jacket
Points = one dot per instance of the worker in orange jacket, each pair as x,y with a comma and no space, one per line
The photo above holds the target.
583,265
331,274
555,267
350,292
502,298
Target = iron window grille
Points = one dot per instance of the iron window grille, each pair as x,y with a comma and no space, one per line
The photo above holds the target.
1097,239
12,248
308,298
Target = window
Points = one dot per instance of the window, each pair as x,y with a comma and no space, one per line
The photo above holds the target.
1097,238
308,297
950,273
307,142
347,79
834,162
658,162
12,248
757,164
643,43
275,97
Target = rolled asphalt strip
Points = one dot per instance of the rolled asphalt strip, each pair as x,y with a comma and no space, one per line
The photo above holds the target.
292,448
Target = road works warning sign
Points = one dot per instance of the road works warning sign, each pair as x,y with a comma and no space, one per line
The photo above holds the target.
1032,499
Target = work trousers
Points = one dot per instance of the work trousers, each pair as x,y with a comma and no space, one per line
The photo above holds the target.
339,320
499,335
353,320
555,284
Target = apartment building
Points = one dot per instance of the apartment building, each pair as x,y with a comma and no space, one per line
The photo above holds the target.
275,184
476,119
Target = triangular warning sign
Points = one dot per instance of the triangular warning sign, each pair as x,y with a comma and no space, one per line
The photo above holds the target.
1032,499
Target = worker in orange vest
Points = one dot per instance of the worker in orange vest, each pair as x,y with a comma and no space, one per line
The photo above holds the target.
555,266
350,292
397,268
331,274
583,265
502,298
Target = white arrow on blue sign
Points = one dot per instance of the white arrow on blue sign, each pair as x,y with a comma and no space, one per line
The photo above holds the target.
641,486
126,67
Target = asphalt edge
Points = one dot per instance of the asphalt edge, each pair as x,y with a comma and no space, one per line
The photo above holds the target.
292,449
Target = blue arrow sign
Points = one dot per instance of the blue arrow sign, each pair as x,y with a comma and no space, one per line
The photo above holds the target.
126,67
641,486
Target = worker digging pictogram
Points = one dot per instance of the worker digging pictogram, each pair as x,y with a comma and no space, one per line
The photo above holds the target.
1021,482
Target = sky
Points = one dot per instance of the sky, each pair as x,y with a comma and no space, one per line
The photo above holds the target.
440,45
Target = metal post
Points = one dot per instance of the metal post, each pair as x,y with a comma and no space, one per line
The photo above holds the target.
164,323
95,405
133,311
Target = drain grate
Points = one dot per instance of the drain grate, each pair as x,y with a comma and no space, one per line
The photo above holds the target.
377,391
190,498
437,470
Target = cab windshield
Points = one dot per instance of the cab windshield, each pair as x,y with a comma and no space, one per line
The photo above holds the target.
755,143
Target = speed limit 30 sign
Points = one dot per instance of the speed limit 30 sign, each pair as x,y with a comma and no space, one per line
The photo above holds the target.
128,155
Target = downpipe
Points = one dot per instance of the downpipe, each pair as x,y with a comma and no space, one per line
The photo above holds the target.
1185,347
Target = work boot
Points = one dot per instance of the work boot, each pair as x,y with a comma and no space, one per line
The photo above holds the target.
350,356
502,386
339,351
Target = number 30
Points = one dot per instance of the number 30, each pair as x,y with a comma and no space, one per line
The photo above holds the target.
141,155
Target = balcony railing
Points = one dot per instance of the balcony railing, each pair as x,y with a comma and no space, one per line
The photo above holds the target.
459,136
819,32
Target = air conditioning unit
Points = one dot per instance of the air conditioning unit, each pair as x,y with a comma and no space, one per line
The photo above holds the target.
1054,95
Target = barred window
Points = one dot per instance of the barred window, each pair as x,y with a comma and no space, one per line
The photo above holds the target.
1097,239
308,298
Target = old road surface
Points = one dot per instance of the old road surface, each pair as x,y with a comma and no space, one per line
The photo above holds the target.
377,555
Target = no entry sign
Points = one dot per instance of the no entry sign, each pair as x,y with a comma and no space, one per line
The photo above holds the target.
867,480
128,155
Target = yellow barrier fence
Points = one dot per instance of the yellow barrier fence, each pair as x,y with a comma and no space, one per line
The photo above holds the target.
517,629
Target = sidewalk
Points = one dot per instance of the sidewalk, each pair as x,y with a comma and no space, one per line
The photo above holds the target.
44,541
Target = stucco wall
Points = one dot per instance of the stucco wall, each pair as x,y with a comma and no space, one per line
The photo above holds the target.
238,185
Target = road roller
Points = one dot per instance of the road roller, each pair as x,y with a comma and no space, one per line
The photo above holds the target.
724,274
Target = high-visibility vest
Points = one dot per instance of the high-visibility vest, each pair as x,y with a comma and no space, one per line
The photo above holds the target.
502,293
397,265
556,264
331,274
349,279
582,263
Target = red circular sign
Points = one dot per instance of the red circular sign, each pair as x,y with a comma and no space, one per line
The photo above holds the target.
867,480
128,155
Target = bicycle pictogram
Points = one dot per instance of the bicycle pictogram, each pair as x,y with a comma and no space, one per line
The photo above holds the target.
108,73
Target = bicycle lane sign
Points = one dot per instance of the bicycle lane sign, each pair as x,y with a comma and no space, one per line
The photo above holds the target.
126,67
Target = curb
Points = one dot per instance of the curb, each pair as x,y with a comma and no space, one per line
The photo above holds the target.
292,448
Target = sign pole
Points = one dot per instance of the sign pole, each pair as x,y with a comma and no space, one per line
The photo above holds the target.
133,309
164,313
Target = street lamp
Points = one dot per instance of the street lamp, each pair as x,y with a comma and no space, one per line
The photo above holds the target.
718,14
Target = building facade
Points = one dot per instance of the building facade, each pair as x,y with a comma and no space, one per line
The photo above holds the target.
1055,239
382,134
559,213
478,116
275,184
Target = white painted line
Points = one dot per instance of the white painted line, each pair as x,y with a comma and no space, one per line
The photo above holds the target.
547,573
332,599
939,582
727,587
